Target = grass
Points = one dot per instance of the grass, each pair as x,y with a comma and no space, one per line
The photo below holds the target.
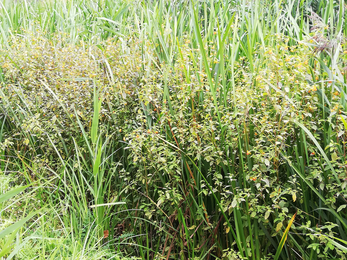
167,130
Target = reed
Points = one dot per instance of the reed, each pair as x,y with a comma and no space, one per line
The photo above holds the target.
167,130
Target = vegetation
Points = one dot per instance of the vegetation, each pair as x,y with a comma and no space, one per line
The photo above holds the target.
173,129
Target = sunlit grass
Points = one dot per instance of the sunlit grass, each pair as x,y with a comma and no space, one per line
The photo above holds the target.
167,130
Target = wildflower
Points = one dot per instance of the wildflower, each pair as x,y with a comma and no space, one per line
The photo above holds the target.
314,88
248,153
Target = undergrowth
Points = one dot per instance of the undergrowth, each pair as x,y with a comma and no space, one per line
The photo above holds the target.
163,130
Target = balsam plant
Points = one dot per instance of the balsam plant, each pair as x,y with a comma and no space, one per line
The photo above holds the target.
208,130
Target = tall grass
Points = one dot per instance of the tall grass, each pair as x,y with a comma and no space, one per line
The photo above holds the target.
167,130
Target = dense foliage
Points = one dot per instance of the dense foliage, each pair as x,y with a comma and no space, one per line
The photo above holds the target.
173,130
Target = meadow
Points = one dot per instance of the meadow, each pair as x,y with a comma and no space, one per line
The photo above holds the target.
158,129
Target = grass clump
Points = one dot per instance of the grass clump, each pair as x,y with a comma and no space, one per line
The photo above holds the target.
171,131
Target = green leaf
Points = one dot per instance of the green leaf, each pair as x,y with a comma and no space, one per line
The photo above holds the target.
8,245
107,204
197,31
234,203
95,124
320,149
344,122
341,208
16,225
267,163
267,214
11,193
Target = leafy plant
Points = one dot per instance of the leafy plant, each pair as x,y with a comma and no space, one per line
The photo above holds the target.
188,131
